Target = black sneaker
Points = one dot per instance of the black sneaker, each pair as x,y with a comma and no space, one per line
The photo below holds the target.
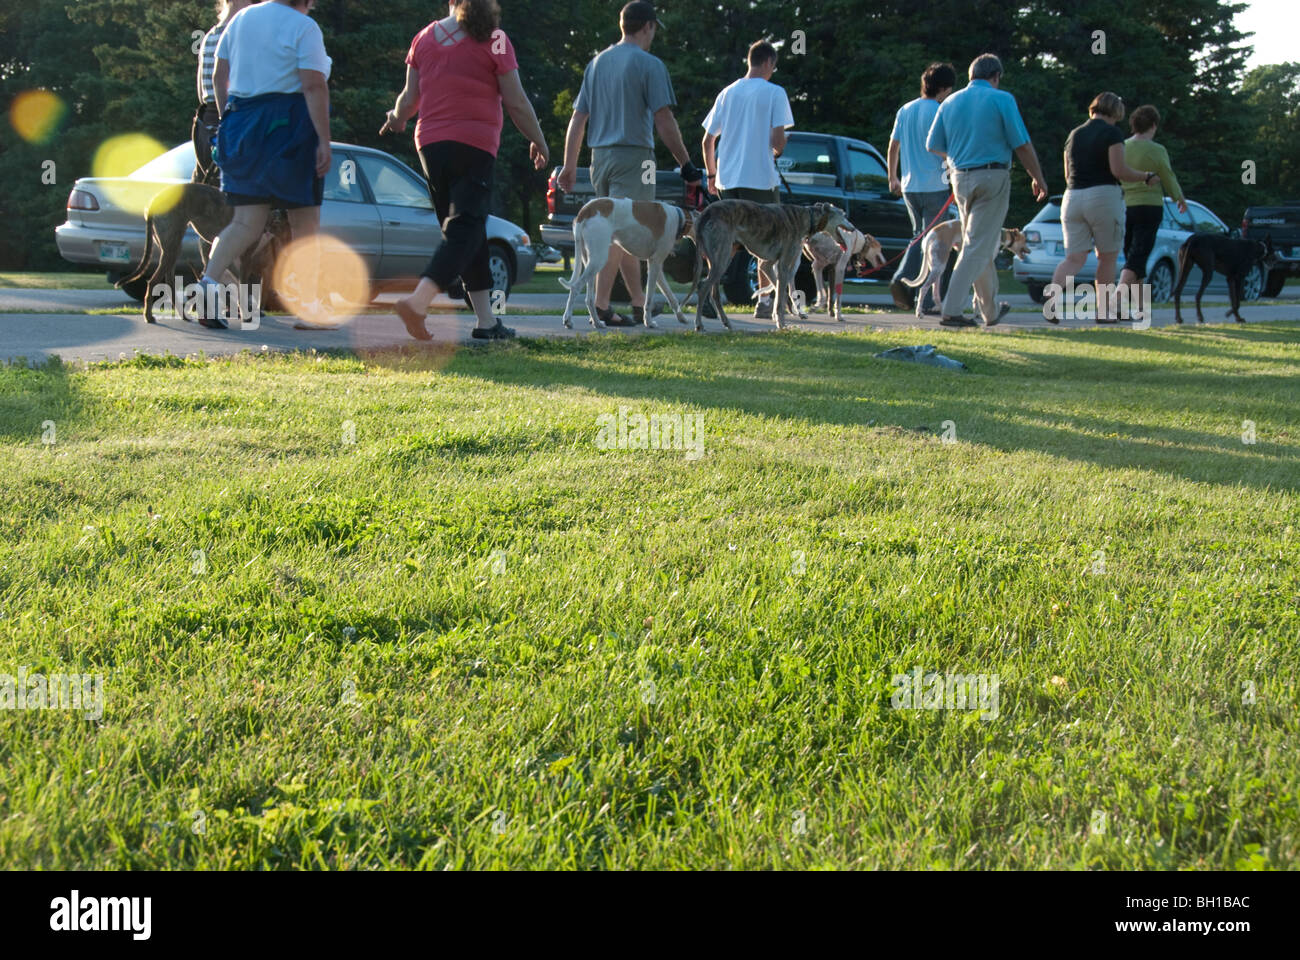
498,332
764,310
958,321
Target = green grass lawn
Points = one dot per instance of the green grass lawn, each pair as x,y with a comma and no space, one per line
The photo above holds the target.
61,280
472,637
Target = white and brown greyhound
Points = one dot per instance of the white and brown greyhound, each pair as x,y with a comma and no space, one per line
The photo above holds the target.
825,250
941,240
647,229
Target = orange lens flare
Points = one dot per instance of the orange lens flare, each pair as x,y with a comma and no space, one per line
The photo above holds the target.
36,114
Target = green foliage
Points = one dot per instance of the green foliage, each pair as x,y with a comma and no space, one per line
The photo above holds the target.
128,65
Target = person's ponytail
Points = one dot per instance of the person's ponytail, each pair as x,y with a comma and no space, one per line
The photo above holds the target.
478,18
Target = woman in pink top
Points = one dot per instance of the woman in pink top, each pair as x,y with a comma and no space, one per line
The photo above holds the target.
459,71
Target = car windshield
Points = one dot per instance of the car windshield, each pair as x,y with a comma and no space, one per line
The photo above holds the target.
176,164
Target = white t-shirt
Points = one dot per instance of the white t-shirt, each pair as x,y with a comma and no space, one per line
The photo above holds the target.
266,45
743,117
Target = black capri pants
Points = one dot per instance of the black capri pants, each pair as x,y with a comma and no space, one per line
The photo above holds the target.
460,186
1140,226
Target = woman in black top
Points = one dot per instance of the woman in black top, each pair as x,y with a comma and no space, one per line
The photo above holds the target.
1092,213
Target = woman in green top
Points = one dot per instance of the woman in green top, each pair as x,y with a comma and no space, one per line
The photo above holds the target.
1144,202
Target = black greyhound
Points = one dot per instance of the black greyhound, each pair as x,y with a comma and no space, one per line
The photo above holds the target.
1232,257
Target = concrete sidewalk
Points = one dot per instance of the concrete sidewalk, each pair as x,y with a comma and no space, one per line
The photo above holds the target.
91,337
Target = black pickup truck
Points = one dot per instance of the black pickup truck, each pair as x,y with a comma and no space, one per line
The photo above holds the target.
1282,225
816,166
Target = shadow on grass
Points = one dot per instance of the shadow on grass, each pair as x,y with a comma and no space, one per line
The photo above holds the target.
835,380
37,402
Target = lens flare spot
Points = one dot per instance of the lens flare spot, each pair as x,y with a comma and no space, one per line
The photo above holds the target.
121,156
321,280
35,115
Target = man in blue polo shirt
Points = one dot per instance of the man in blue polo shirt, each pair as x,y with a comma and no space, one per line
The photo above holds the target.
976,130
924,189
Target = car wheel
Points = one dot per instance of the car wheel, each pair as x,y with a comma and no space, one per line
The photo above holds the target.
1253,286
1037,291
1276,281
1161,279
740,286
499,266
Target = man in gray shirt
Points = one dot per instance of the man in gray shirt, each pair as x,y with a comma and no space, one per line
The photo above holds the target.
626,95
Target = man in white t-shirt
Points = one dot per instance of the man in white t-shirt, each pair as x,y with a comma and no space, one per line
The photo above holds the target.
750,118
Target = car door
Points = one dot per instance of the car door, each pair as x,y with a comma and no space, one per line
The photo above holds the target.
410,225
347,213
873,209
811,169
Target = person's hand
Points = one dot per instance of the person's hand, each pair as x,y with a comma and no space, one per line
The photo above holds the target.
391,123
1182,206
690,173
711,184
538,153
324,159
895,186
567,179
1039,189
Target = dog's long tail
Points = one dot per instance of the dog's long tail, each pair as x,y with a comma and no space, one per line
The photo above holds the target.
143,268
927,264
699,267
578,249
1184,266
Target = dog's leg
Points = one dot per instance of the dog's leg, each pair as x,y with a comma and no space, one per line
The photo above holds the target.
1235,284
841,267
1206,272
666,289
653,274
1184,268
579,253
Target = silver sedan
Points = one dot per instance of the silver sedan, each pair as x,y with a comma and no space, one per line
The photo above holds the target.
374,203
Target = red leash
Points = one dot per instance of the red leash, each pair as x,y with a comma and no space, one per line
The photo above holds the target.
942,210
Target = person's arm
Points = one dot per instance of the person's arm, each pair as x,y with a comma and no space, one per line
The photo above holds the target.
317,93
895,184
710,148
1120,169
1170,182
221,84
523,116
779,140
1028,158
572,145
666,124
408,104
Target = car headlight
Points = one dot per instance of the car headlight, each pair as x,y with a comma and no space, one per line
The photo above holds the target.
1033,236
521,240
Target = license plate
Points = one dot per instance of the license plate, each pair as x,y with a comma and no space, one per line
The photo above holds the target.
116,252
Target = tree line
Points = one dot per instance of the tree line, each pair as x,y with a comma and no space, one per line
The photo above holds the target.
129,65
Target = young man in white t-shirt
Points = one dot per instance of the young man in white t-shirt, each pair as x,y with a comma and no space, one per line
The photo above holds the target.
750,117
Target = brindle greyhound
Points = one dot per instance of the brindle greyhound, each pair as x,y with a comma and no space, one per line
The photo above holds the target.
205,208
773,232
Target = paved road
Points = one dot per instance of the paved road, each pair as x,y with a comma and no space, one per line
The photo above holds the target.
28,328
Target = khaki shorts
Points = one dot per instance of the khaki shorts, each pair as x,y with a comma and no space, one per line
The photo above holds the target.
1093,217
622,172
